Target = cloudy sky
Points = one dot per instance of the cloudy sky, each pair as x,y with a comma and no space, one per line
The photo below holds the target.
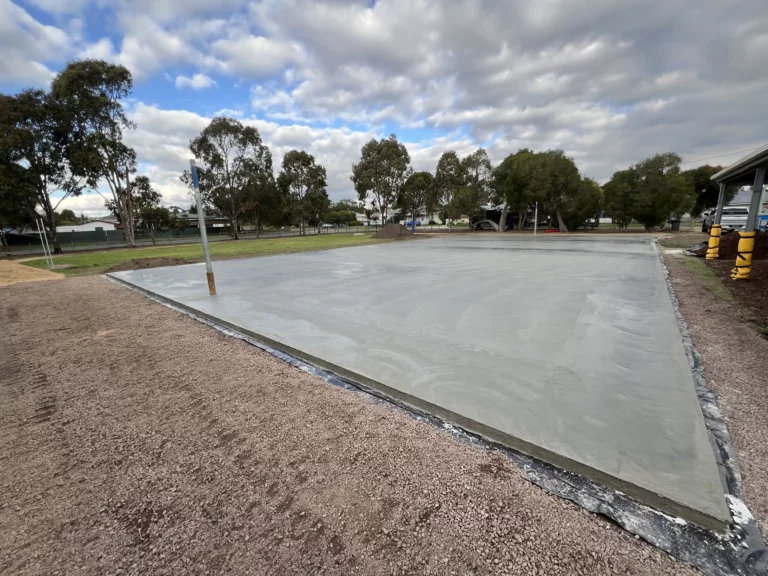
609,82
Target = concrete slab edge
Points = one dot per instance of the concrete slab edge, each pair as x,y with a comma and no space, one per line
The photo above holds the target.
725,454
717,551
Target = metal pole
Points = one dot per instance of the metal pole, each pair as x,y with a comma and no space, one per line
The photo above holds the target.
536,219
47,246
720,203
747,238
203,231
757,193
44,243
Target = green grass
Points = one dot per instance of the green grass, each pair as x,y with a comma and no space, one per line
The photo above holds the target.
99,262
712,283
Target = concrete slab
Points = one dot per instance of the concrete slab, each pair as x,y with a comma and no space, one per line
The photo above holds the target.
565,348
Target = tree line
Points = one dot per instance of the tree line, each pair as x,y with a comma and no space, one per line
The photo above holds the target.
55,144
461,186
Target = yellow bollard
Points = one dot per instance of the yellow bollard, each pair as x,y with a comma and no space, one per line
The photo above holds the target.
744,256
713,251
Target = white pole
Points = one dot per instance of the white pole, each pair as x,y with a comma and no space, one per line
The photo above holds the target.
536,219
203,231
47,246
44,243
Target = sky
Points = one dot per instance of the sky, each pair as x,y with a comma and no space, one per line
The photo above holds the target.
609,82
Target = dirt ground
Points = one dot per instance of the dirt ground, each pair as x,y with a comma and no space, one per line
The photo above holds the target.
134,440
735,357
12,272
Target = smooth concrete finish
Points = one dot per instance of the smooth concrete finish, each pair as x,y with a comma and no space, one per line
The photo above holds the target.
570,345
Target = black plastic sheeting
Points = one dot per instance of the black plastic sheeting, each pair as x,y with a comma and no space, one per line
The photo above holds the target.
740,551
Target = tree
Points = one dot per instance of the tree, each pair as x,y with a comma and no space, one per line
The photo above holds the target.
265,207
237,166
582,205
707,190
67,215
559,180
316,206
347,205
516,183
36,149
651,191
91,93
300,178
619,194
417,196
468,200
449,177
381,172
148,214
18,196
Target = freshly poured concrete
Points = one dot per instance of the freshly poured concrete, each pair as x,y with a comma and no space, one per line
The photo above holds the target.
567,348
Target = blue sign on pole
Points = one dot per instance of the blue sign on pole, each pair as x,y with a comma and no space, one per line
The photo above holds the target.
194,177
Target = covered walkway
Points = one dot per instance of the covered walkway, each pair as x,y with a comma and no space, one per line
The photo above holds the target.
750,170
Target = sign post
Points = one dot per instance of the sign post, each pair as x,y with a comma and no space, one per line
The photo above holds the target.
203,231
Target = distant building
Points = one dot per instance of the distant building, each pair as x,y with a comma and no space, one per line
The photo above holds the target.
92,226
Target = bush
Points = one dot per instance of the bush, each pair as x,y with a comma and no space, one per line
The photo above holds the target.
354,223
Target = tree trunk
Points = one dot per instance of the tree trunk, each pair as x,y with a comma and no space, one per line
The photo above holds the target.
560,221
152,233
503,221
3,240
258,227
521,221
233,224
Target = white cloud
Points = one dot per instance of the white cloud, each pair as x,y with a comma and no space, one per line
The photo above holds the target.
196,82
610,82
27,46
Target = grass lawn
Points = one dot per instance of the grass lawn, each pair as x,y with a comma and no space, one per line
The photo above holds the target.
99,262
713,284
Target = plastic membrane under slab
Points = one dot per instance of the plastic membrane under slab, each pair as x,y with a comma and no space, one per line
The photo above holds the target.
567,349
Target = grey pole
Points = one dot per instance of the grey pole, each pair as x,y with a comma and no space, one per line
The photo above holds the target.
754,205
203,231
536,219
720,202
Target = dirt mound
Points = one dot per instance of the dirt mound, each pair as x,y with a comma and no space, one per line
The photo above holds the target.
144,263
729,244
392,232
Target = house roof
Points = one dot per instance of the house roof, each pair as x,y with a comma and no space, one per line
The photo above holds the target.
741,170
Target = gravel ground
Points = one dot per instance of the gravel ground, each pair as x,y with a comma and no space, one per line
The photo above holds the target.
735,358
134,440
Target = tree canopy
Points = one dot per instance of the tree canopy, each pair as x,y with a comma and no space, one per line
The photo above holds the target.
651,191
417,196
383,168
302,182
237,168
449,177
90,94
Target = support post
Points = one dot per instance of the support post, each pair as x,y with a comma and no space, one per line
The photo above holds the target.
44,243
713,250
747,238
203,231
536,219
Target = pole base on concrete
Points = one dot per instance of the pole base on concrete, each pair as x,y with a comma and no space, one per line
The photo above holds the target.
211,283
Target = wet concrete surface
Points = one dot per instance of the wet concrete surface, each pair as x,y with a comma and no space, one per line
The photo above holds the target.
566,348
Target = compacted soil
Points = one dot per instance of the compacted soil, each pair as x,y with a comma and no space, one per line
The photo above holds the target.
135,440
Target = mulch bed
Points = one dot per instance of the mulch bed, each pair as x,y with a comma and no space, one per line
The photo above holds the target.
729,244
751,294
